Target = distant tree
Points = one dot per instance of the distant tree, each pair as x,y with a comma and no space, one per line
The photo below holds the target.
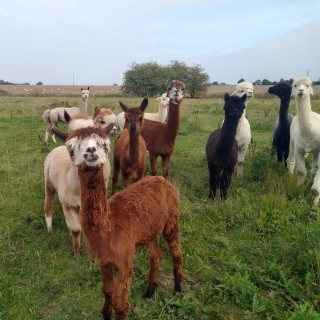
151,79
241,80
115,85
257,83
147,79
316,82
215,83
266,82
39,83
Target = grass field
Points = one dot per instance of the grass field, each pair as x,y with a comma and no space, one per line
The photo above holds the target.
255,256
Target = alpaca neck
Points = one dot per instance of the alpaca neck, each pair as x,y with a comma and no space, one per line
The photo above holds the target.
94,212
304,114
283,112
227,135
162,112
134,147
173,120
84,105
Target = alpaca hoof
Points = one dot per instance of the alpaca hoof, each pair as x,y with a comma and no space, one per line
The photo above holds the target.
315,196
239,175
151,289
49,230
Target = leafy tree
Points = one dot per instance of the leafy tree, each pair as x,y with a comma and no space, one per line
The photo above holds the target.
241,80
39,83
257,83
266,82
151,79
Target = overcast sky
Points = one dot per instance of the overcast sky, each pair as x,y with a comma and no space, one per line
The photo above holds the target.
94,42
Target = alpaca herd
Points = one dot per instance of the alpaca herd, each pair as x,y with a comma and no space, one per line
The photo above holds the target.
114,228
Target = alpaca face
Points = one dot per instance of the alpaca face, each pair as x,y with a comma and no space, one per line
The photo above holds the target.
234,106
282,90
176,91
164,100
244,88
105,117
301,88
85,93
87,146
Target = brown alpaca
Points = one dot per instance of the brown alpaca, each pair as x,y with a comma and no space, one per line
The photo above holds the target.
222,147
132,218
129,154
161,137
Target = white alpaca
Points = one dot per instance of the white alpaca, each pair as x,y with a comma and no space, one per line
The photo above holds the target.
61,176
304,135
104,117
55,115
243,135
160,115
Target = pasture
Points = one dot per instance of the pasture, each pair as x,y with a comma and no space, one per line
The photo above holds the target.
254,256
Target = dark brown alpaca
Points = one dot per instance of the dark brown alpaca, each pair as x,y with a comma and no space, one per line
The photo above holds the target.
222,148
161,137
129,153
115,228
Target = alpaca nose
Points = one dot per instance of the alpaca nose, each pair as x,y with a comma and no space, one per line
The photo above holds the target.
91,149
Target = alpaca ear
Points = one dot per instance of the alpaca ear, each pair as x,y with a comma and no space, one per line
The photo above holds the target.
88,88
226,97
81,89
124,108
113,107
144,104
243,98
62,135
96,112
67,116
108,128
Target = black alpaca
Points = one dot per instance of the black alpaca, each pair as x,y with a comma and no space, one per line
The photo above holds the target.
281,128
222,147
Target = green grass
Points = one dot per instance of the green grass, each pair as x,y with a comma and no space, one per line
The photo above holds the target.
255,256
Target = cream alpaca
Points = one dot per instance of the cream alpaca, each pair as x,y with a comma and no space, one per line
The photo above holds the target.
243,135
304,135
53,116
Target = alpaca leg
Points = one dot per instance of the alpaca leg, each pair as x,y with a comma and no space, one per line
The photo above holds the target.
213,182
107,274
316,188
71,215
165,166
279,155
301,167
115,176
314,167
53,138
48,204
153,164
46,136
156,255
225,181
171,235
291,160
241,156
121,303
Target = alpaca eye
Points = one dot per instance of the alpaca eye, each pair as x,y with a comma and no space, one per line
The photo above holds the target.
182,89
170,89
102,122
127,120
140,119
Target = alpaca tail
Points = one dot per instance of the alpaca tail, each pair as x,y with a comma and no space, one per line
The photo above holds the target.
46,116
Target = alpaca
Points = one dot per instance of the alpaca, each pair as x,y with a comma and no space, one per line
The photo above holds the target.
103,117
129,154
281,128
161,137
160,115
55,115
243,135
222,147
61,177
115,228
304,135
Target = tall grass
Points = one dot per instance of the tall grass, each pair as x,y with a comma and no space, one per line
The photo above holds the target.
255,256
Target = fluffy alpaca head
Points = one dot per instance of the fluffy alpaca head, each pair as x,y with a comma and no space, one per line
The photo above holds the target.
103,117
301,88
234,106
282,90
244,88
134,116
85,93
176,91
80,121
89,146
164,100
